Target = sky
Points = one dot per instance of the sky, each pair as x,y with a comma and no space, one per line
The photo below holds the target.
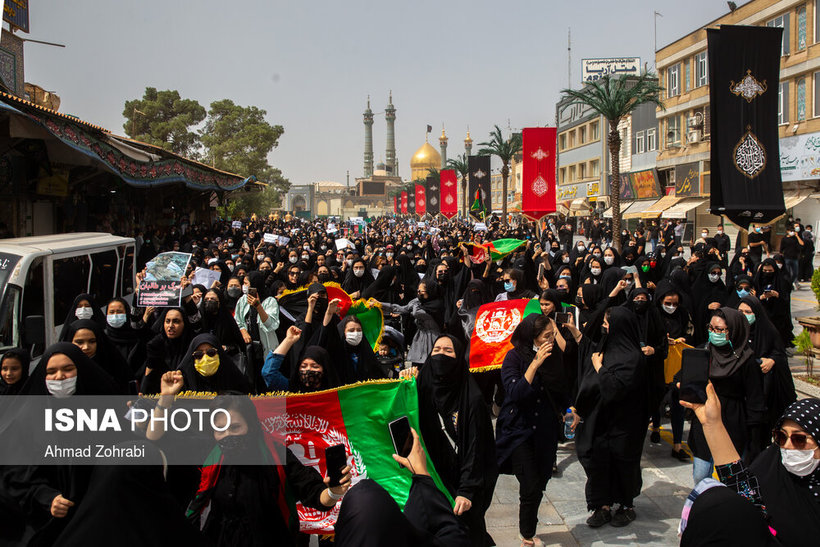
311,65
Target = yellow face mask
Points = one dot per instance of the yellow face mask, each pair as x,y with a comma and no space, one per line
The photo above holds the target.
207,365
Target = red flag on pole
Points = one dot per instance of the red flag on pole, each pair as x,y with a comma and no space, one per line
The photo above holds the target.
449,193
538,182
421,200
395,205
404,202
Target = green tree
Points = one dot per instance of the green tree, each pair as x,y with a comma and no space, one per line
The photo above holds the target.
505,150
164,119
261,202
459,165
614,99
238,139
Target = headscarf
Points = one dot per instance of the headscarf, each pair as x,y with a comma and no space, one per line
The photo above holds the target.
257,281
108,357
329,375
91,378
222,324
806,414
367,366
23,356
726,360
227,376
124,335
71,317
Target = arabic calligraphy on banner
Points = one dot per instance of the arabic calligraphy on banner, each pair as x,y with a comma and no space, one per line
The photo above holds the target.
595,69
639,184
687,179
800,157
571,192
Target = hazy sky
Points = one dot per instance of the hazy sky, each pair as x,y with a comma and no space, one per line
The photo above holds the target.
311,65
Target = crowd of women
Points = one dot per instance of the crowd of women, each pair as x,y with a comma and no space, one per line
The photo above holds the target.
589,367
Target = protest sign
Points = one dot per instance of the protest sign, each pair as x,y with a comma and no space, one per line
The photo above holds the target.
236,224
331,228
162,287
343,243
283,241
206,277
480,227
270,238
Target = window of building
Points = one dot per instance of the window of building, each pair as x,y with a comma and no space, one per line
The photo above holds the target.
687,76
702,69
673,81
572,138
816,21
673,130
582,171
624,142
582,134
801,27
595,168
651,140
571,173
782,21
783,103
562,175
639,142
801,99
562,141
594,130
817,93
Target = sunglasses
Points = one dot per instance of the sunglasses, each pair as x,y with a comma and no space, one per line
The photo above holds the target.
199,354
798,439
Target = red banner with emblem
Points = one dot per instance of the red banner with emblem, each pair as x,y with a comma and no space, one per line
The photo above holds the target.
403,202
538,181
396,205
421,200
449,192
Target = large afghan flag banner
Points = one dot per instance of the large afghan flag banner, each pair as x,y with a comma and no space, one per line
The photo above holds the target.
449,192
421,200
493,250
433,196
538,182
403,202
494,326
479,183
744,79
356,416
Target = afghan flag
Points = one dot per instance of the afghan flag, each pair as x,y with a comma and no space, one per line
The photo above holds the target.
369,312
538,183
404,202
493,250
494,326
356,416
478,205
421,200
449,192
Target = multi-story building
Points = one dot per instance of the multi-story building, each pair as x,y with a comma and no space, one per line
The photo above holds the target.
683,158
581,169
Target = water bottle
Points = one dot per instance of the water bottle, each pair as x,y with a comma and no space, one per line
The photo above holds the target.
569,433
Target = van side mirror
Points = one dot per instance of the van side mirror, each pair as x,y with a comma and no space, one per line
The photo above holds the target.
34,330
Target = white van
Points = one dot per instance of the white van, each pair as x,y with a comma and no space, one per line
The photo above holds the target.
40,276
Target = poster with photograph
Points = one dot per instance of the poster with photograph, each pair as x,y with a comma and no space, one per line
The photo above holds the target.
162,287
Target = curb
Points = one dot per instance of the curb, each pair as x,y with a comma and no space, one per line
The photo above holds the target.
805,389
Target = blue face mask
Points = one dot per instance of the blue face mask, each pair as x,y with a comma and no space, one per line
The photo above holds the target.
750,317
508,286
718,339
743,293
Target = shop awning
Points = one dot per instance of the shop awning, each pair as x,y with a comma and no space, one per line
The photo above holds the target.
680,209
793,200
578,204
661,205
637,209
562,207
625,205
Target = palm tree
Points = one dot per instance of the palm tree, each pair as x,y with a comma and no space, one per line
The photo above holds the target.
459,165
614,99
505,149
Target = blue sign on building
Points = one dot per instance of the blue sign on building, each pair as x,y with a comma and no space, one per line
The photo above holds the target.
15,13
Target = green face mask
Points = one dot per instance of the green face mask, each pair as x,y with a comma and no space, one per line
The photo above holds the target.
645,268
718,339
750,317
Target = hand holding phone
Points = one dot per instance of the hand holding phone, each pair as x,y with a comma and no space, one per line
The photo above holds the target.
253,292
335,462
694,375
562,318
401,436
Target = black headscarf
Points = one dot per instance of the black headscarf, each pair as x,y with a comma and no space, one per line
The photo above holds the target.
226,378
124,335
729,358
23,356
108,357
221,324
329,375
721,517
91,378
704,293
367,366
71,316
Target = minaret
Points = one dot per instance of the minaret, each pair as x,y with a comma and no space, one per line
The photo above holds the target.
368,141
468,144
390,154
442,142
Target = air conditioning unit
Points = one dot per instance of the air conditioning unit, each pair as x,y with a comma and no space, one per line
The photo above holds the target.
694,137
696,120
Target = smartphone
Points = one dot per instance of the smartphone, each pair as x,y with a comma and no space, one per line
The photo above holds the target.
562,318
540,270
401,435
253,292
335,461
694,375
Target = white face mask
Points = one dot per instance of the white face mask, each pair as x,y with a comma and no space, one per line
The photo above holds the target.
609,260
565,260
358,273
349,262
62,388
116,320
595,271
245,289
293,259
535,348
84,313
669,309
714,278
388,255
704,235
260,258
799,462
353,337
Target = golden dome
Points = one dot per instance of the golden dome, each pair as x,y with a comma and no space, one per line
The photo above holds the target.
423,160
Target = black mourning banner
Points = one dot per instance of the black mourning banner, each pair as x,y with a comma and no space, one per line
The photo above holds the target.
433,195
744,76
411,200
478,201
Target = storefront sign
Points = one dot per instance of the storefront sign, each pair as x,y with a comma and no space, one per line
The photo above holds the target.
639,185
800,157
571,191
687,179
595,69
592,189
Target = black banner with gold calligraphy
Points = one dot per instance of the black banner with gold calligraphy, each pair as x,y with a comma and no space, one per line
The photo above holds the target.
744,76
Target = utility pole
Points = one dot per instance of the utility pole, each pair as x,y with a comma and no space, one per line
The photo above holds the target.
657,14
569,58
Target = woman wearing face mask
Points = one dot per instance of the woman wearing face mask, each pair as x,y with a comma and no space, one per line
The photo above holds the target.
166,349
83,307
612,258
257,314
90,338
207,367
612,401
527,429
357,279
217,320
247,495
774,288
427,310
458,434
591,274
233,292
358,363
14,365
709,293
784,480
513,283
119,329
738,383
778,384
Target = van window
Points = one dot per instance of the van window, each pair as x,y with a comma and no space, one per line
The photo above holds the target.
9,327
103,275
33,291
127,272
70,280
